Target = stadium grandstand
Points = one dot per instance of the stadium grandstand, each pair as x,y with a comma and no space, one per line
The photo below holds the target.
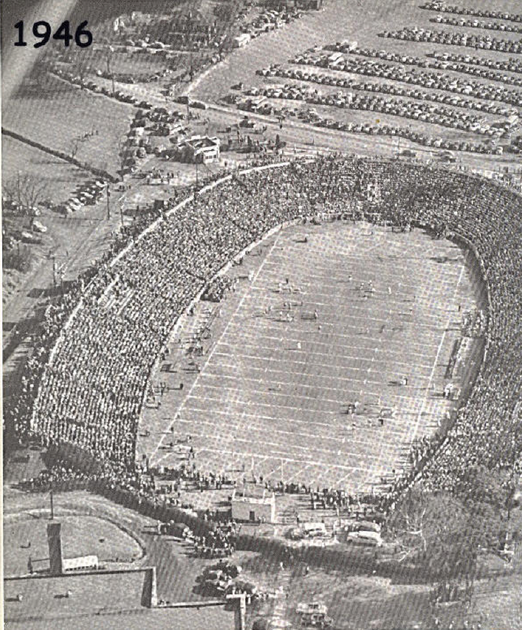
85,384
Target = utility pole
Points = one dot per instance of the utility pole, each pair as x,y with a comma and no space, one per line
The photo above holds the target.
54,270
108,202
109,70
52,503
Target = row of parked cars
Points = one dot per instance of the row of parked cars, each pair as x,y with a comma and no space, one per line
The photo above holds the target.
511,64
442,7
433,114
493,26
91,85
398,90
88,194
432,80
447,38
270,20
424,139
455,63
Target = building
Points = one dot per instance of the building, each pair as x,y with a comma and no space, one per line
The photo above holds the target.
200,149
241,40
254,504
110,600
73,595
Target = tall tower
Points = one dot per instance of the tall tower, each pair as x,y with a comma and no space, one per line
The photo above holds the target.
54,539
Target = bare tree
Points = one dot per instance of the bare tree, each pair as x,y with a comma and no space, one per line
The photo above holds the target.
74,146
25,191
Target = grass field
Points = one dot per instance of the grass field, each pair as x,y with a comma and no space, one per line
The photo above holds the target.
55,116
61,178
274,385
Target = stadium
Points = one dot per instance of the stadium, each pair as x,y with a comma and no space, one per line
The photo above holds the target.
99,352
294,328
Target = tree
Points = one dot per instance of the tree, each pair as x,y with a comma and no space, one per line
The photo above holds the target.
444,534
25,191
74,147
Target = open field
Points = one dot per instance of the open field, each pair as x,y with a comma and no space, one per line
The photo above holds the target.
275,383
58,116
61,178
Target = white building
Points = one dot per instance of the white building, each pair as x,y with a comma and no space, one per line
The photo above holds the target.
241,40
254,504
200,149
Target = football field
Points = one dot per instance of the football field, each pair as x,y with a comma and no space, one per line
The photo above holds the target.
322,366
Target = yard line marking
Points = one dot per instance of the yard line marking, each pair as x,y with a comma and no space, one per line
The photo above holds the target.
282,457
280,406
209,357
267,383
232,353
441,343
284,360
265,324
353,442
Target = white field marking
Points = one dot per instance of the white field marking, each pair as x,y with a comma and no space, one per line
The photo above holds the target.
337,335
448,278
275,470
280,406
352,439
280,260
294,351
361,394
263,417
425,398
297,382
294,383
266,321
271,431
277,457
209,357
394,425
297,474
254,357
355,298
355,302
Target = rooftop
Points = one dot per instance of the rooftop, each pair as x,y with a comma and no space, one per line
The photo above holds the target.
116,597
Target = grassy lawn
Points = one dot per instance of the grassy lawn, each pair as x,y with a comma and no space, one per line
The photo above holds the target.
57,116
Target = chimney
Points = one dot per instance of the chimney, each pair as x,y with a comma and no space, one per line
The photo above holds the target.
149,596
239,610
54,539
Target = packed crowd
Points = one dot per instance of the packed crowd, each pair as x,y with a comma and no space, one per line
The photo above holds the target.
94,369
447,38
